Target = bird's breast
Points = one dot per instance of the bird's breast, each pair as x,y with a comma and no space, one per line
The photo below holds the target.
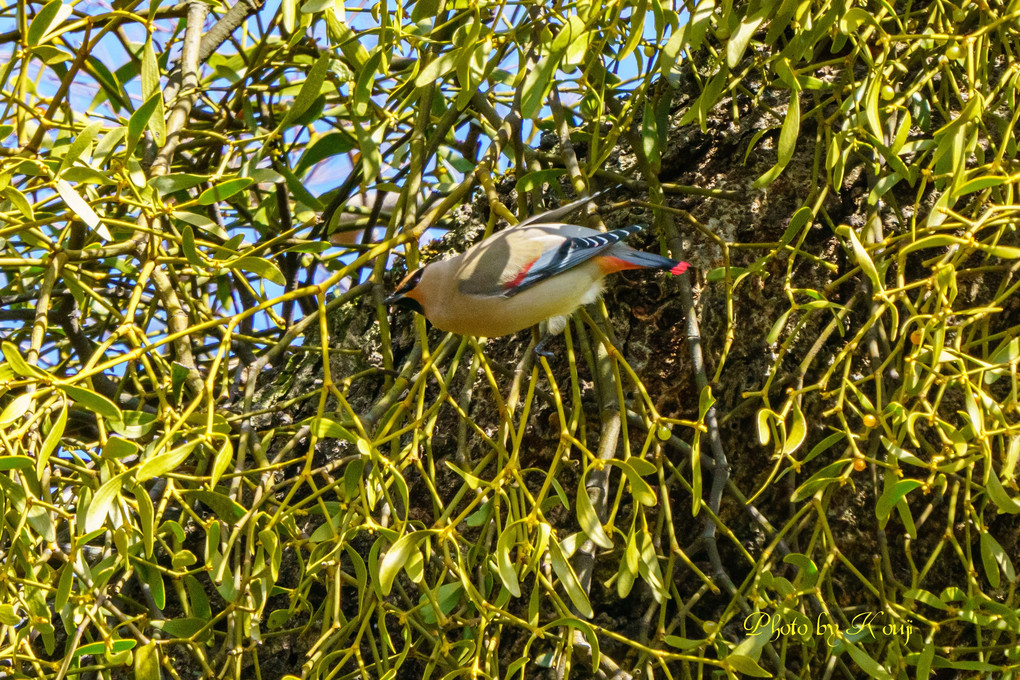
495,315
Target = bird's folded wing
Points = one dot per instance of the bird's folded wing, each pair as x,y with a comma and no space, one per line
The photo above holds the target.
572,252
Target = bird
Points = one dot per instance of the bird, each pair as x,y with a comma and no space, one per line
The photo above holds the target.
532,272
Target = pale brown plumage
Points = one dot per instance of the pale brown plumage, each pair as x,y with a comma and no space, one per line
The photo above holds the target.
521,277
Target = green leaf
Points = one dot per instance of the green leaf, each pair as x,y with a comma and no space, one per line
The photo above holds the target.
925,597
309,90
787,142
346,39
670,54
200,605
639,488
802,217
297,188
9,615
42,21
63,587
589,519
1002,500
569,581
139,121
326,427
578,41
134,424
154,579
1007,252
326,146
650,142
830,474
146,518
114,646
994,558
797,432
745,665
84,174
853,19
149,70
808,568
507,573
16,462
397,556
162,463
224,456
627,571
20,202
537,83
53,438
437,68
188,247
448,597
178,181
867,664
737,44
93,401
82,142
81,208
893,495
863,259
637,28
648,565
223,190
147,662
979,183
313,6
682,643
17,408
225,508
706,400
102,502
19,365
260,266
117,447
641,466
180,628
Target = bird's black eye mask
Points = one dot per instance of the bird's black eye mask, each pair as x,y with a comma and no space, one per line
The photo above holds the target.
409,303
399,298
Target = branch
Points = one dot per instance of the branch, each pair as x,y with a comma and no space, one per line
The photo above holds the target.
186,77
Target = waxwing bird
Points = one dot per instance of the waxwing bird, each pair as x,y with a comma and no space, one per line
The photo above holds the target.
522,276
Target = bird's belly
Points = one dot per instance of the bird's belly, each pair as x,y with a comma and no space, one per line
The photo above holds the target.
494,315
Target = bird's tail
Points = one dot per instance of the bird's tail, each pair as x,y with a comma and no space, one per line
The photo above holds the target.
638,259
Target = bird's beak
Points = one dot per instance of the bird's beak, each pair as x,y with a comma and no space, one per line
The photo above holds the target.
393,299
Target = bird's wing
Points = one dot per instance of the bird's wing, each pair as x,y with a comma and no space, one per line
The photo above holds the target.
571,252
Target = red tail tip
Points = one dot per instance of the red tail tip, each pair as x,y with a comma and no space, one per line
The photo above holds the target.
679,269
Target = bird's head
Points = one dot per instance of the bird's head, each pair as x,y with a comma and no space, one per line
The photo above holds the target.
408,295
